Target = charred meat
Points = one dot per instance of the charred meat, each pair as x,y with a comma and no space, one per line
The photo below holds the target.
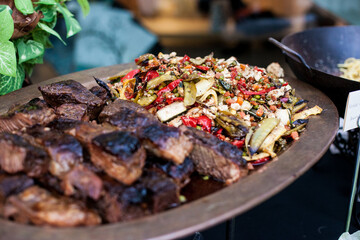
18,155
34,112
72,111
216,158
119,105
70,91
64,150
163,141
119,154
166,142
179,173
40,207
152,193
101,93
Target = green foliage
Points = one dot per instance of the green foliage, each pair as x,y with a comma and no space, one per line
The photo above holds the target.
24,6
7,50
18,57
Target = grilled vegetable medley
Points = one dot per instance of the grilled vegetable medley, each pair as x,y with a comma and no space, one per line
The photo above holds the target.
253,108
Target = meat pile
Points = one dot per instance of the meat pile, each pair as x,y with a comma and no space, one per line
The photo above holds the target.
78,158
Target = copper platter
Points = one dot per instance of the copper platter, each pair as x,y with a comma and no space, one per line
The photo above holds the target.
206,211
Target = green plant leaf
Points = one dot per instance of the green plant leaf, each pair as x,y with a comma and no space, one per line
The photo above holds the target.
51,31
37,60
9,84
29,50
41,36
47,2
28,68
7,59
6,24
85,7
49,13
24,6
72,25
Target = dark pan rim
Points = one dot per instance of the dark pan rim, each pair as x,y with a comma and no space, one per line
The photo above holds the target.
318,30
209,210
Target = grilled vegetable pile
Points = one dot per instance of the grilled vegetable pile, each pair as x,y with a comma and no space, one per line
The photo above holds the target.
253,108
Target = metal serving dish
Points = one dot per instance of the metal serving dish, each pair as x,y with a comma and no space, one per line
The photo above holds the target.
322,49
208,210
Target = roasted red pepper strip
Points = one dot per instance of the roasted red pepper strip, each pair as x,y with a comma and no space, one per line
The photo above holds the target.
256,93
171,86
186,58
189,121
285,84
260,161
202,68
130,74
203,121
238,143
176,99
258,69
151,74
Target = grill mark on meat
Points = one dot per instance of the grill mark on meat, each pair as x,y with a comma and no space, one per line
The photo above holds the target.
216,158
73,111
70,91
166,142
152,193
66,155
40,207
100,93
163,141
129,120
17,155
34,112
118,153
179,173
64,150
119,105
119,144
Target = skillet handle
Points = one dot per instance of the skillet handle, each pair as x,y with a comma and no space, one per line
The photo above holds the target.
289,51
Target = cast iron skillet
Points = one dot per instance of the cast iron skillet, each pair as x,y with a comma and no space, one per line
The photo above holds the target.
320,50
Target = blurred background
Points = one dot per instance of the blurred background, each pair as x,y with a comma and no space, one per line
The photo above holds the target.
118,31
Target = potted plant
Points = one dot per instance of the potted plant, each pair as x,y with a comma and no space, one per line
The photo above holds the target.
25,28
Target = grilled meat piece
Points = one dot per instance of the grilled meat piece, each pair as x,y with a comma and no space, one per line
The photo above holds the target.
13,184
179,173
34,112
43,208
18,155
70,91
66,156
164,192
118,106
100,93
64,150
163,141
72,111
130,120
63,124
216,158
81,179
166,142
118,153
152,193
85,131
